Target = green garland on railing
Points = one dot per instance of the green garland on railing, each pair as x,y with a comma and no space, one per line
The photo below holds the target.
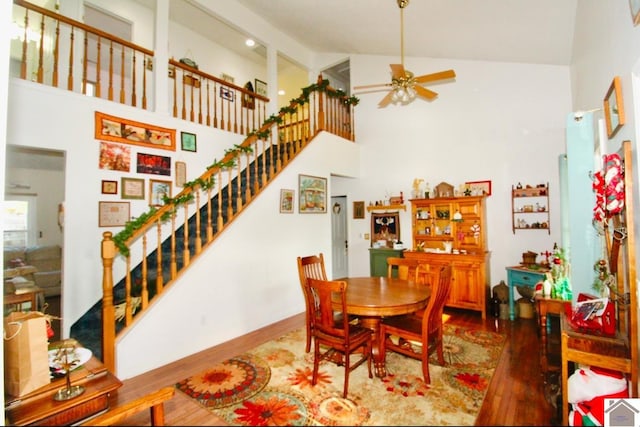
132,226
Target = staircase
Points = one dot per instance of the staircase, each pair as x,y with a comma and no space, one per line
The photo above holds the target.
157,246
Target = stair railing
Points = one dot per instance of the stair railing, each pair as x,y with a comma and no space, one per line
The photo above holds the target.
207,206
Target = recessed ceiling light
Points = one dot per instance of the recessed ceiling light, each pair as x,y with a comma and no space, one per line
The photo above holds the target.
281,92
250,42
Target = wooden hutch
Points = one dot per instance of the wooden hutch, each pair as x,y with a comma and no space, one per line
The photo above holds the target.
452,231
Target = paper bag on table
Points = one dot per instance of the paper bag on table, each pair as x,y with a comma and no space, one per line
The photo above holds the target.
26,359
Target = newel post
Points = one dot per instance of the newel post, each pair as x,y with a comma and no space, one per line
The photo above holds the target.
321,115
108,253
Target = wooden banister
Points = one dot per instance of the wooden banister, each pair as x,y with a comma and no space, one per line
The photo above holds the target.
152,401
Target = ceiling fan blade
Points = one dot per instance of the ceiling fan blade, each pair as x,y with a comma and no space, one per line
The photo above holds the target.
397,71
424,92
448,74
386,100
371,86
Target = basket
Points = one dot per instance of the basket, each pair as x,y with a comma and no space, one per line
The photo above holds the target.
529,258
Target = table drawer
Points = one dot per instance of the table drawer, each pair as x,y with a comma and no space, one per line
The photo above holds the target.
525,277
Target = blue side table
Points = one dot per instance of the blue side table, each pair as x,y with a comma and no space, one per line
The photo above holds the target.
523,276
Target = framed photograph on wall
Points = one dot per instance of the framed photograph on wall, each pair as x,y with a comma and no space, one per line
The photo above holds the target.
358,210
635,11
188,141
116,129
132,188
113,214
115,157
614,108
226,93
312,194
286,200
479,188
109,187
153,164
181,174
158,190
261,87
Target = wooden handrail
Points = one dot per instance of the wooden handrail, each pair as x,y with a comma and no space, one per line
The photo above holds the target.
153,401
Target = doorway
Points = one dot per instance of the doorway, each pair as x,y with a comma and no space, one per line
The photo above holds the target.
339,238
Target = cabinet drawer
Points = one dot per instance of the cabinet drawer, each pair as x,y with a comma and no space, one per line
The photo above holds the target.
525,277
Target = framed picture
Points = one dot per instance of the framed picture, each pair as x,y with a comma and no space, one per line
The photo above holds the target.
261,87
614,108
115,157
479,188
286,200
112,128
635,11
158,190
227,78
385,226
312,193
113,214
132,188
109,187
226,93
358,210
188,141
153,164
181,174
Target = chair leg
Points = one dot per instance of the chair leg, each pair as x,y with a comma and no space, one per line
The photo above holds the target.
425,367
347,370
307,348
316,362
369,351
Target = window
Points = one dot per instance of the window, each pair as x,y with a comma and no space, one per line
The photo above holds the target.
19,226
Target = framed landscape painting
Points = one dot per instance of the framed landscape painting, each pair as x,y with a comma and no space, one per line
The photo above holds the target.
312,192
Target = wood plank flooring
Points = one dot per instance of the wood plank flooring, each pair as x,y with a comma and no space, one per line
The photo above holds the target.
516,395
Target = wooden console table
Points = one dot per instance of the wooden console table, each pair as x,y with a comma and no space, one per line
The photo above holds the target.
593,350
14,301
39,407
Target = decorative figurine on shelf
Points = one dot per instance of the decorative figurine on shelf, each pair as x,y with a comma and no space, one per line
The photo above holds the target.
427,190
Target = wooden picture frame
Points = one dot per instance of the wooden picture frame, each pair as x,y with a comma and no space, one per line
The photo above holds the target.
115,157
109,187
188,141
181,173
286,200
113,214
117,129
634,5
132,188
261,87
158,189
358,210
385,226
614,108
153,164
479,188
312,194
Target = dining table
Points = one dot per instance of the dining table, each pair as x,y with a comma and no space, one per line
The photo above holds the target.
372,298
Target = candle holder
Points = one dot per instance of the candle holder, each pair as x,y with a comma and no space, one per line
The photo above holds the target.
66,356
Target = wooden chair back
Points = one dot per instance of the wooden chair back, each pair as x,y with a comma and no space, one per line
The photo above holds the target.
432,318
403,267
311,266
332,330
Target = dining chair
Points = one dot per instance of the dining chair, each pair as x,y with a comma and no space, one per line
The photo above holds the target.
340,339
419,336
403,267
311,266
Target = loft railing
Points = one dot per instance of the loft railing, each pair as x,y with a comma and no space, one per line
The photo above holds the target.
153,249
58,51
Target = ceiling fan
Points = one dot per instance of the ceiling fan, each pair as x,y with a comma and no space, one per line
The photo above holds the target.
404,85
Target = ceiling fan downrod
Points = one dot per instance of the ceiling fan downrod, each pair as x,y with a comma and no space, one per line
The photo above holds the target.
402,4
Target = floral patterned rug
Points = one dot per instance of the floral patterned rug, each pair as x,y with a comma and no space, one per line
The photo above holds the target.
271,385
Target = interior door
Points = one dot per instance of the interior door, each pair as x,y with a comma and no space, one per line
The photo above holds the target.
339,240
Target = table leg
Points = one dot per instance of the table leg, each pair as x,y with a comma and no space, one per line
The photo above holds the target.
373,323
542,310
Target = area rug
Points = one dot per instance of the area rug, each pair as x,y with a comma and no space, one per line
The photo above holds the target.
271,385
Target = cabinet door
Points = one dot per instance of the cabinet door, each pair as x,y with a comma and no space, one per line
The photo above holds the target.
468,289
470,233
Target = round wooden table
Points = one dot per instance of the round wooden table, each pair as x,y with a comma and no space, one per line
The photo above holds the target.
371,298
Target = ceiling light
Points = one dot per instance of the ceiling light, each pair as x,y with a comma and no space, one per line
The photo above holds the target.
250,42
281,92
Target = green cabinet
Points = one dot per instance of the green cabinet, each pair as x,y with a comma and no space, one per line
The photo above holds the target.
378,259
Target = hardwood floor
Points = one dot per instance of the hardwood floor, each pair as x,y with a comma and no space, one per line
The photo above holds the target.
516,395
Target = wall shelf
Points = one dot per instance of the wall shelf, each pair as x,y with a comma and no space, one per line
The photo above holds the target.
386,208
